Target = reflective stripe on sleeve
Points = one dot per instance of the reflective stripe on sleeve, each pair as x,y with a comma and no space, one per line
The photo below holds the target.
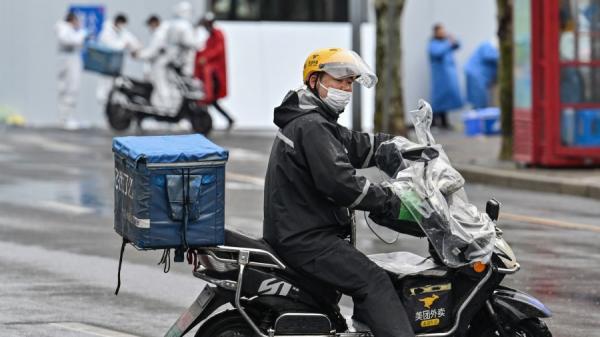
368,159
285,139
362,195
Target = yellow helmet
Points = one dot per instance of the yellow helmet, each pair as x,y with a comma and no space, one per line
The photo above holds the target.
339,63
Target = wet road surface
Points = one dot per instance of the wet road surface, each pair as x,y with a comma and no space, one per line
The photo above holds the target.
59,252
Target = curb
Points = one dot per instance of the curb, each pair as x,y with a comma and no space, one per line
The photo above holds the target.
527,181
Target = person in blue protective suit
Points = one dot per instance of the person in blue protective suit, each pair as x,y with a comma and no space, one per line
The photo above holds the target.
481,73
445,93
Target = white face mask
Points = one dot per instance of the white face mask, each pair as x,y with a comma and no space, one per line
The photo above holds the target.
336,99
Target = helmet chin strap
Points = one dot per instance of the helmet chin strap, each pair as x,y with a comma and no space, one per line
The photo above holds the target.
315,90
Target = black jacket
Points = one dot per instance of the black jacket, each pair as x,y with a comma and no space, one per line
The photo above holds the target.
311,179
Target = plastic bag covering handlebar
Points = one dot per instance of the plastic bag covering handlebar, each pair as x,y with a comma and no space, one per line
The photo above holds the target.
432,191
348,63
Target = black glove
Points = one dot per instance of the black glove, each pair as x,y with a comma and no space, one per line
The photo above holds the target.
389,159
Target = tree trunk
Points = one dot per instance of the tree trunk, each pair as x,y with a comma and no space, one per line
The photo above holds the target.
505,75
388,94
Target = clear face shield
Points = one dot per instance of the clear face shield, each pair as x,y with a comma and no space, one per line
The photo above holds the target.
349,64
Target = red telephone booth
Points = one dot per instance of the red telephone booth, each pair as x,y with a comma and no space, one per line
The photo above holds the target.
556,112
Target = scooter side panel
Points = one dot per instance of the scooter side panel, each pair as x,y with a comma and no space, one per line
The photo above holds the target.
264,284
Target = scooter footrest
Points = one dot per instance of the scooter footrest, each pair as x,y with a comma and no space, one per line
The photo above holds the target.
302,324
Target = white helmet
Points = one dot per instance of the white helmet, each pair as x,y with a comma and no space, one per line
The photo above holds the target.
183,10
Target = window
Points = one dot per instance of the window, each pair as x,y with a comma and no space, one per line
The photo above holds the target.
522,54
280,10
579,51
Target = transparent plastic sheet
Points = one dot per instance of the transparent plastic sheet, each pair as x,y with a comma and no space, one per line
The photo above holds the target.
432,191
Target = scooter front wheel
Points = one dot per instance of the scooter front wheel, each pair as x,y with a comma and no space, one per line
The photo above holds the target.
532,327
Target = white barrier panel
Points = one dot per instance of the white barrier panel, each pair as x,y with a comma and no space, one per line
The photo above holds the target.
265,60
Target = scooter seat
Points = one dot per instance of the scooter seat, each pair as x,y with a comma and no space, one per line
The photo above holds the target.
138,88
404,264
236,239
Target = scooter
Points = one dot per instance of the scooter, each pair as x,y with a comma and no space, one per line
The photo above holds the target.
129,100
252,292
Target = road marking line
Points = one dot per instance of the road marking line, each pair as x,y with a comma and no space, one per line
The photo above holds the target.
230,185
91,329
50,144
246,178
52,205
549,222
245,154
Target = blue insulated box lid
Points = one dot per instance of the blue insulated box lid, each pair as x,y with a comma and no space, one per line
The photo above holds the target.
169,149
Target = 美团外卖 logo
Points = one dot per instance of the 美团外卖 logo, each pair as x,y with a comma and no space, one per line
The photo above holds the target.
428,301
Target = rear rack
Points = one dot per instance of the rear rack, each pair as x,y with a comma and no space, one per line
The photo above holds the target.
277,264
243,259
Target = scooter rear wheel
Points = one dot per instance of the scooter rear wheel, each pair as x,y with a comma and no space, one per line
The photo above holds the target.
200,119
226,324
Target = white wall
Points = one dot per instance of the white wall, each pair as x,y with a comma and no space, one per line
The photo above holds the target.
265,58
280,49
265,61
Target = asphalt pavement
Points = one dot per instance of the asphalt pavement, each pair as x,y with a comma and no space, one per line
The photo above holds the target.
59,252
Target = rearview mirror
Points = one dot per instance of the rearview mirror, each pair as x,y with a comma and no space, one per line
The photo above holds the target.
492,208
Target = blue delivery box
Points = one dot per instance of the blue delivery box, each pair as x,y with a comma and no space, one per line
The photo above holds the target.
101,59
169,191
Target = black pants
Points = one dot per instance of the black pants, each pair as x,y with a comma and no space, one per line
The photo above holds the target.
215,103
375,300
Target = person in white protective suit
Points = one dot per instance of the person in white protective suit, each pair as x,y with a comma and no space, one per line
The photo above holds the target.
70,41
156,58
115,35
155,49
180,45
181,38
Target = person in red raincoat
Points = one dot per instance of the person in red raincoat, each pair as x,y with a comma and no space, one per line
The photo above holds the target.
211,66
